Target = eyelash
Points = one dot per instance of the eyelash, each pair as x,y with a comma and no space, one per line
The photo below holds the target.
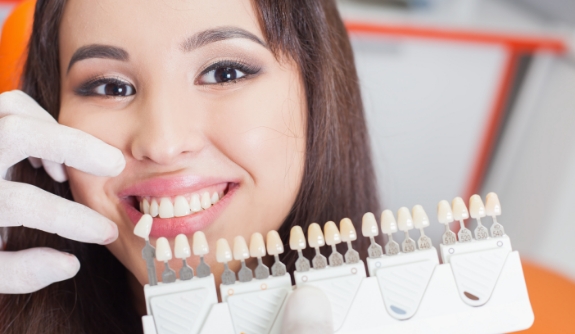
87,89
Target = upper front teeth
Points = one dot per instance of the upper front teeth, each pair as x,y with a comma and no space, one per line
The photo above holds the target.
179,206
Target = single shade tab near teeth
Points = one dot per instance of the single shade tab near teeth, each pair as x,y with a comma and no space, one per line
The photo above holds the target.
315,240
297,243
144,227
405,223
164,254
275,247
241,253
389,226
200,249
493,209
421,221
182,251
460,213
369,229
258,250
477,211
332,238
348,234
224,255
142,230
445,216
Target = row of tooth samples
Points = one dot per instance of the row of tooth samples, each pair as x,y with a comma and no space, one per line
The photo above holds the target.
178,206
331,236
257,249
458,211
406,221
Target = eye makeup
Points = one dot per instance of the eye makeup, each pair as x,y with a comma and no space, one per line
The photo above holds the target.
248,71
122,88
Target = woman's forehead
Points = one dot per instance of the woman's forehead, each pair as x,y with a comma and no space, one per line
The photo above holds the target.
149,25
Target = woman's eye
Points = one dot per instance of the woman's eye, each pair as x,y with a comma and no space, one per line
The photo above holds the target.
114,89
221,75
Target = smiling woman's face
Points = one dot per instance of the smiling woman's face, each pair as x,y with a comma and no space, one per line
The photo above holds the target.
212,126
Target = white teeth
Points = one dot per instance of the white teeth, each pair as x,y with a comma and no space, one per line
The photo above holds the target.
206,201
144,226
296,238
404,219
195,204
182,247
347,230
215,198
257,245
275,245
459,209
315,236
444,213
200,244
369,225
166,209
223,251
492,207
142,206
420,219
388,223
476,207
241,251
331,233
163,250
181,207
145,206
154,207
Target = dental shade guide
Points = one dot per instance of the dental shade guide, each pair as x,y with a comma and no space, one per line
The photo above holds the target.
316,240
460,213
164,254
241,253
182,251
479,287
224,255
143,229
445,216
493,209
477,211
389,226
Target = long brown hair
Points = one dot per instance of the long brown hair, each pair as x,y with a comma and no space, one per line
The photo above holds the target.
338,181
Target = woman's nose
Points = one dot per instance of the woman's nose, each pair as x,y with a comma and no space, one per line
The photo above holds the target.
168,131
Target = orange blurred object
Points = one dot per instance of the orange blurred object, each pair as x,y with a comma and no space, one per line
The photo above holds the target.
552,298
14,43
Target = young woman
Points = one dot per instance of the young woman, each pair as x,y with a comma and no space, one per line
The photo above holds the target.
250,108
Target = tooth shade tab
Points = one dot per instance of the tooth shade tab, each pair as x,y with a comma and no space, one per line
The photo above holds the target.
444,213
163,250
223,251
476,207
331,233
347,230
492,205
297,238
459,209
315,236
241,251
274,243
144,227
182,247
154,208
404,219
388,223
181,207
257,245
206,201
369,225
201,247
420,219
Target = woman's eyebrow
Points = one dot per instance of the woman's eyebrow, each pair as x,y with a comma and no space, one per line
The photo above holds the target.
218,34
98,51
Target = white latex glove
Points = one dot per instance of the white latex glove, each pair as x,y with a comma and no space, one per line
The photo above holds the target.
307,311
27,130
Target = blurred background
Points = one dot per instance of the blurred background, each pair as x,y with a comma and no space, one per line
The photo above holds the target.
465,97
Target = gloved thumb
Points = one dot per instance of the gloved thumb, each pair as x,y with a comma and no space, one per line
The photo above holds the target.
307,311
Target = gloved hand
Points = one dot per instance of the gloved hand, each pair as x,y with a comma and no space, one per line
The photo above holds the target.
27,130
307,311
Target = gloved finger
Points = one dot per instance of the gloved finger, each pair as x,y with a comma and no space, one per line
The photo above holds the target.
17,102
56,171
35,268
22,204
22,136
307,311
35,162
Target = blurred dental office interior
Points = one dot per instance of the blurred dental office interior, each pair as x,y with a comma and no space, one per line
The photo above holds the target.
461,97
